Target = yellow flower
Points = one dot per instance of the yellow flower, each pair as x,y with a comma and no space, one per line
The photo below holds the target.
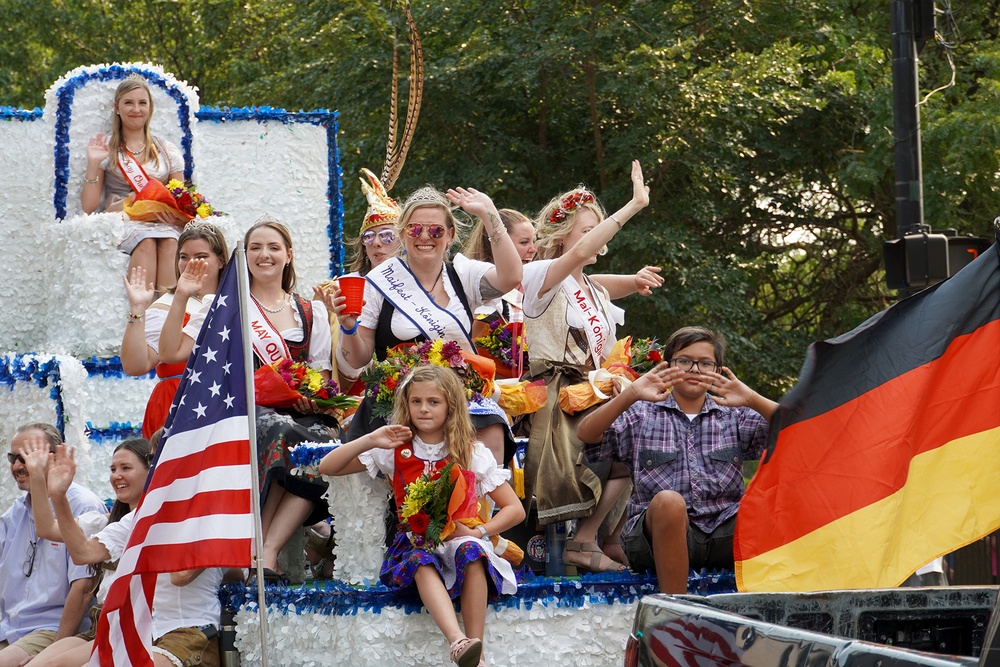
204,211
416,496
434,356
314,381
173,184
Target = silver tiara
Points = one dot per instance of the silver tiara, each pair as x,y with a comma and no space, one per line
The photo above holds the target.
426,195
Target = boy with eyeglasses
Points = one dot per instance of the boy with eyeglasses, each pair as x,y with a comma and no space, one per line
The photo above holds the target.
43,594
684,430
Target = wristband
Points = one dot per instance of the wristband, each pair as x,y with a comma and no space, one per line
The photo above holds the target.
351,331
132,317
90,180
482,531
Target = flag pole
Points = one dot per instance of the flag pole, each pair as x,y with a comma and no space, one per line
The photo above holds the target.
244,287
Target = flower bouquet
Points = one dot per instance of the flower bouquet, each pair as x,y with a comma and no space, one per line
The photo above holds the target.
382,377
504,343
646,353
434,502
615,369
181,201
283,383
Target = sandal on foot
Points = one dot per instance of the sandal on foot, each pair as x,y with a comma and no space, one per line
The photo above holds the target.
599,561
272,577
612,549
466,652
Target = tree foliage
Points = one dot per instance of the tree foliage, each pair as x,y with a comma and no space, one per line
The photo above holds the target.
765,129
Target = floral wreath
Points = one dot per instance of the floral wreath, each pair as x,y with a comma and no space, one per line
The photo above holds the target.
570,203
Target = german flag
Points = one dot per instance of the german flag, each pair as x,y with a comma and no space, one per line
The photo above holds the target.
886,454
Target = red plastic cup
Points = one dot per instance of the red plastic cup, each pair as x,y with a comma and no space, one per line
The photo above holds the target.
353,287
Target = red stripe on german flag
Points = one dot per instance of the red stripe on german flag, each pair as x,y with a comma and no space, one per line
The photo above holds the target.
863,484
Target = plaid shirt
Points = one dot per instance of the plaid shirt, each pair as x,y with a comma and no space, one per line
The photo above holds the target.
701,459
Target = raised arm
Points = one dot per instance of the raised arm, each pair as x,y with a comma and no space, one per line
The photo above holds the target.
344,459
730,391
83,551
93,178
577,256
355,344
137,357
507,269
35,451
653,386
175,345
620,285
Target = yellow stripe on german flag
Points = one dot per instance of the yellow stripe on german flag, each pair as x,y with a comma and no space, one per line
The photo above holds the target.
887,452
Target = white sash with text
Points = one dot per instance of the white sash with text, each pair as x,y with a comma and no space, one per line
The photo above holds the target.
394,280
598,329
268,344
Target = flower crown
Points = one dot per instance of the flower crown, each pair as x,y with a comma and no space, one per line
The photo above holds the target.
570,203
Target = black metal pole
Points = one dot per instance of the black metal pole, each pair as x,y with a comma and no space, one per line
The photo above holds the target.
906,120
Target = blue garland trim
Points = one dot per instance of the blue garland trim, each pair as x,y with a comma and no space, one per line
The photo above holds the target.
336,598
109,367
113,433
64,106
10,113
336,198
320,117
27,368
302,456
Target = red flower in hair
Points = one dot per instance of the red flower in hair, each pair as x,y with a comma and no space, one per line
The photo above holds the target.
570,203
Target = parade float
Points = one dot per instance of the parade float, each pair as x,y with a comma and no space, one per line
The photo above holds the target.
62,324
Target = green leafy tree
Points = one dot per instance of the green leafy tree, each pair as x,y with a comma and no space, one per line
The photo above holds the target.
765,129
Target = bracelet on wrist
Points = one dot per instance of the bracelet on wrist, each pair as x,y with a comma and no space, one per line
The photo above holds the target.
493,238
90,180
617,222
482,531
132,317
351,331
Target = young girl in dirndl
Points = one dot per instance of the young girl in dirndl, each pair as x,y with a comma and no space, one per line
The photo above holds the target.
431,427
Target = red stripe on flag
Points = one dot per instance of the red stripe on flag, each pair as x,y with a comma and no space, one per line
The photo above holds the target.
229,453
120,594
848,458
203,504
178,557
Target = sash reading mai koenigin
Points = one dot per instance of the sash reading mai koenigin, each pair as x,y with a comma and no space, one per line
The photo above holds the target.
598,329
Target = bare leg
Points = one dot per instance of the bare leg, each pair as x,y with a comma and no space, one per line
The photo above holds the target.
612,545
166,270
67,652
586,529
291,512
435,597
274,495
667,525
492,437
144,255
475,594
13,656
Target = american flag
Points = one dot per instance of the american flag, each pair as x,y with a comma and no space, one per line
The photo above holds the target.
196,510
